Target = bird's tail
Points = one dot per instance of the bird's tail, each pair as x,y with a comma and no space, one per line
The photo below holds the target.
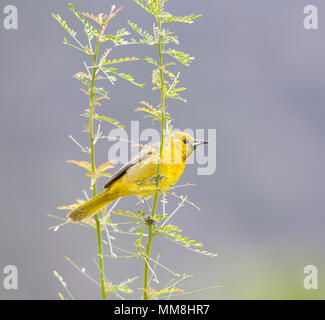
92,206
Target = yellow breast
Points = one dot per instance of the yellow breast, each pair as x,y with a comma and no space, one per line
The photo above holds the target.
140,179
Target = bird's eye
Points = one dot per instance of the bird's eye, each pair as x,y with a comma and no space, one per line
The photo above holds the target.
185,141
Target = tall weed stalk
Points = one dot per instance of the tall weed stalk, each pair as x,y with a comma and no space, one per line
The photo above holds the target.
167,82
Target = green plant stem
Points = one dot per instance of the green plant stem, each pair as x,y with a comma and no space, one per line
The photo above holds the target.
162,124
92,158
155,200
147,261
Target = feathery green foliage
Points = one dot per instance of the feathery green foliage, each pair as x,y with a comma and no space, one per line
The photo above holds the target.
97,70
169,89
141,227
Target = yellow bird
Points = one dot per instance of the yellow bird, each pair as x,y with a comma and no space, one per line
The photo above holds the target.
138,176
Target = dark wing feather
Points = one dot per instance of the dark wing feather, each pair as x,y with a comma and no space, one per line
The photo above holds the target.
121,172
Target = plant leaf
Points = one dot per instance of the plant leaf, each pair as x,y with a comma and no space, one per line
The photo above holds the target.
82,164
180,56
168,17
72,206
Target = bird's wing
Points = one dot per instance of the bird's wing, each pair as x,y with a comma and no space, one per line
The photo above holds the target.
144,154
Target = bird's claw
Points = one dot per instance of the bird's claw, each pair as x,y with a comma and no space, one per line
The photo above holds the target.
155,180
159,178
149,220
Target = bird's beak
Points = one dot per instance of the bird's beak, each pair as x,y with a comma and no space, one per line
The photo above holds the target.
197,143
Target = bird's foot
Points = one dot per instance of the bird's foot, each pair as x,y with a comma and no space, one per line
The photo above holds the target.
159,178
143,181
154,178
149,220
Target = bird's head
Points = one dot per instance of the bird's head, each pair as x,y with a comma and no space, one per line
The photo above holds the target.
186,143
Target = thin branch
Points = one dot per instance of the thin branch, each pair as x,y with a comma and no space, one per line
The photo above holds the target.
181,204
64,284
82,271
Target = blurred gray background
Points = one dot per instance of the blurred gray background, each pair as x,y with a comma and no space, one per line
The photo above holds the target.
258,79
